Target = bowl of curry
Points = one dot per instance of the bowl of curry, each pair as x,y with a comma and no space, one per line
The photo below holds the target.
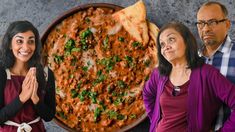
99,70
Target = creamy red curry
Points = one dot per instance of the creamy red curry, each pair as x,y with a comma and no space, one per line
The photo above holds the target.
100,71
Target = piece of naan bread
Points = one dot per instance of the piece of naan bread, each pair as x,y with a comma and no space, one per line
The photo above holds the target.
153,31
133,19
152,48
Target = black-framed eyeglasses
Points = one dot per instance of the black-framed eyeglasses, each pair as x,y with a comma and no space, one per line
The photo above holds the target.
211,23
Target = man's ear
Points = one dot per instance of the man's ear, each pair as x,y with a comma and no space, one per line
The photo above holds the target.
228,24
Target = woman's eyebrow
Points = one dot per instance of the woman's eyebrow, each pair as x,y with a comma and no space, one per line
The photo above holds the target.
31,37
170,34
19,36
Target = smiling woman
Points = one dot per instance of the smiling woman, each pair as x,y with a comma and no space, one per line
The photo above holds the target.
26,95
23,46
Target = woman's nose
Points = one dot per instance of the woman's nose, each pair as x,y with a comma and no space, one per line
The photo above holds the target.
168,46
25,46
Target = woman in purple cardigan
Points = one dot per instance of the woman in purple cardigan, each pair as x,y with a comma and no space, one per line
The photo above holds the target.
183,93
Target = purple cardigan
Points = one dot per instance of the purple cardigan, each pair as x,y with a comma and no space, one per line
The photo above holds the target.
207,90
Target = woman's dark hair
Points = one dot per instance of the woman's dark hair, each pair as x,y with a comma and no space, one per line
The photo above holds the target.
191,50
7,57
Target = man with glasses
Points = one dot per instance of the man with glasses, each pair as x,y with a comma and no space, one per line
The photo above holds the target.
218,49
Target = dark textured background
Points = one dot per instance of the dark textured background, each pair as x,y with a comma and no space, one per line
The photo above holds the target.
42,12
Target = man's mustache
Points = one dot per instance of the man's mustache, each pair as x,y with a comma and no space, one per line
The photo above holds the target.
208,34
